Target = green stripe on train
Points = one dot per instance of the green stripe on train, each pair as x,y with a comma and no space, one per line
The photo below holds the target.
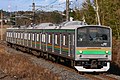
89,52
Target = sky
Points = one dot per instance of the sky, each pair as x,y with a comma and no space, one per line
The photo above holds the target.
25,5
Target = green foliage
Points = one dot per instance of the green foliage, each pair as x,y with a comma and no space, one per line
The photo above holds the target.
89,12
56,17
26,17
12,19
109,12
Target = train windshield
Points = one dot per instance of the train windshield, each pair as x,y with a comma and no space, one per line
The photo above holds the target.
93,37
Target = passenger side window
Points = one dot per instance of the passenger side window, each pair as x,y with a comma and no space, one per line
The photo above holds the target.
37,37
56,38
21,35
25,37
73,39
43,37
18,35
49,38
29,36
33,37
64,40
14,35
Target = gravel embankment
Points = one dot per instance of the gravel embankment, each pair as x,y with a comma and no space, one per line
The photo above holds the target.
27,67
4,76
21,67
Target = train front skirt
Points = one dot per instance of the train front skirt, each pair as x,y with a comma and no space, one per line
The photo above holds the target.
104,69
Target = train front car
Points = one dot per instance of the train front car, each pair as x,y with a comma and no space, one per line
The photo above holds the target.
93,48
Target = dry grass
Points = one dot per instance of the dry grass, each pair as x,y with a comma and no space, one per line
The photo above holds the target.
116,52
21,67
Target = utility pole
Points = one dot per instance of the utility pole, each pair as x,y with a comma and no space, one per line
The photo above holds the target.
67,10
97,12
1,25
33,5
16,23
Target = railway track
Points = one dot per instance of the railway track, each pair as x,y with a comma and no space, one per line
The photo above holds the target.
65,72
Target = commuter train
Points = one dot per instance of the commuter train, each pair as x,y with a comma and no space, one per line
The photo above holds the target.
87,48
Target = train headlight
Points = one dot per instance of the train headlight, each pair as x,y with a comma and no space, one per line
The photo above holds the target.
80,52
107,52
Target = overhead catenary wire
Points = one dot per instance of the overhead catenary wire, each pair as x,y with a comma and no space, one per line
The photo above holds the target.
51,6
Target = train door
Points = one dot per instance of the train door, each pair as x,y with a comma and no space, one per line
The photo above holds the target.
37,40
43,46
40,40
6,36
64,44
21,38
46,41
33,40
49,45
10,36
53,42
25,38
14,37
29,39
18,37
71,45
57,43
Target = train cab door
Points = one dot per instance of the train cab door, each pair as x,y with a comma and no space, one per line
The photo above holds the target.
71,45
70,42
67,42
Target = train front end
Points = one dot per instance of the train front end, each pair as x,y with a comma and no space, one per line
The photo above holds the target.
93,48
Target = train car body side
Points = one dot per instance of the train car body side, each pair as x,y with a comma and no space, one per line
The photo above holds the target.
87,48
58,42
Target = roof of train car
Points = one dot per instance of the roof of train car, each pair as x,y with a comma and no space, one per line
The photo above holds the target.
64,25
